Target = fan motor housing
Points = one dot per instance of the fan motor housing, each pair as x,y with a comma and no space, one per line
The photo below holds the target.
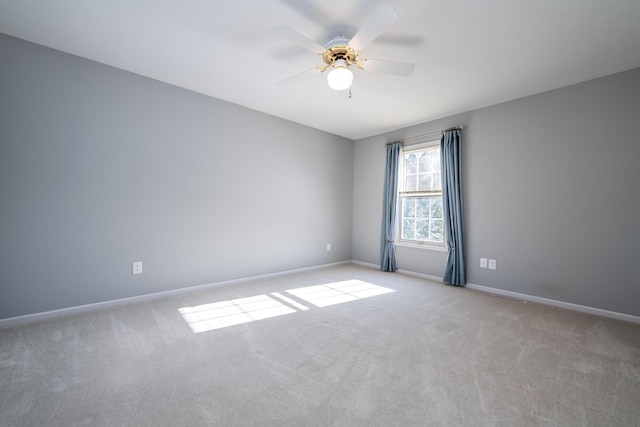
331,55
338,48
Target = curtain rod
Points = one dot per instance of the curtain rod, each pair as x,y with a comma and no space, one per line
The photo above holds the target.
441,132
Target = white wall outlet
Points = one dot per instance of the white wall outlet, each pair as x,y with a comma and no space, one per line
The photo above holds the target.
483,263
492,264
136,267
328,247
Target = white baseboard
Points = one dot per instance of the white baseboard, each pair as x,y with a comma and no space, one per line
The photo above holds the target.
366,264
523,297
48,315
556,303
53,314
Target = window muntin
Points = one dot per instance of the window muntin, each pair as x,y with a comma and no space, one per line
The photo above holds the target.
420,196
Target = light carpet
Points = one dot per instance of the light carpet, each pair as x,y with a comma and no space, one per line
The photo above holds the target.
340,346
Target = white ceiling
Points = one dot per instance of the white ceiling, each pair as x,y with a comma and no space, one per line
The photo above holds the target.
468,53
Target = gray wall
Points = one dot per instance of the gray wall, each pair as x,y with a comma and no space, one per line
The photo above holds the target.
550,192
100,167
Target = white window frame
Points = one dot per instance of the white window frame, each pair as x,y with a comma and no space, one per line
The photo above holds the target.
442,247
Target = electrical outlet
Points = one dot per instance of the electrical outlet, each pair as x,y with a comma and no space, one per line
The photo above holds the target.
328,247
483,263
492,264
136,267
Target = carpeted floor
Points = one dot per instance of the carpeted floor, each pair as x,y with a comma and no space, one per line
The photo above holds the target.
341,346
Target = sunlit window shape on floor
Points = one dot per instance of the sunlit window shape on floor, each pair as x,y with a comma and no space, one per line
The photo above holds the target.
338,292
208,317
289,301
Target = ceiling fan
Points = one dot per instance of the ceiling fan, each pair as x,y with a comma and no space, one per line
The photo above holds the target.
340,53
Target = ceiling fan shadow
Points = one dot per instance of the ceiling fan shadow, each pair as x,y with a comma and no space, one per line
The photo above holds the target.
287,54
328,17
401,40
310,11
338,29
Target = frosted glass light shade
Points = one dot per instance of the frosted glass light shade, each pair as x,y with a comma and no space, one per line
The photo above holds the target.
340,78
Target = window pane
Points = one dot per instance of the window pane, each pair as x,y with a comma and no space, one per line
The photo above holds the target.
424,182
408,208
437,181
410,182
408,226
436,207
422,229
422,207
435,230
435,159
410,163
423,161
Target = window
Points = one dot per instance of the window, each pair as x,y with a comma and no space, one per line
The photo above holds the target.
421,216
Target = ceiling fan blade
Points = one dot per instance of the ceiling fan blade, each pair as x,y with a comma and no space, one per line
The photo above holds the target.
293,36
298,77
389,67
376,24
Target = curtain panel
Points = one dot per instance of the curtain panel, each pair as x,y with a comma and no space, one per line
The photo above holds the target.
389,208
455,269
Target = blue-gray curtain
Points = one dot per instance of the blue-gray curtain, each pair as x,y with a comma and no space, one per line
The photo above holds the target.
455,269
390,203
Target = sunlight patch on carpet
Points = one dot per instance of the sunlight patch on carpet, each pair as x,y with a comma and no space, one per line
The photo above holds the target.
338,292
216,315
207,317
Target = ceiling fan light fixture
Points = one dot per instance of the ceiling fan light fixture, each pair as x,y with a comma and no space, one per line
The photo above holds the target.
340,77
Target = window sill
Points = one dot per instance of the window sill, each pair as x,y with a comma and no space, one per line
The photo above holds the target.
428,246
